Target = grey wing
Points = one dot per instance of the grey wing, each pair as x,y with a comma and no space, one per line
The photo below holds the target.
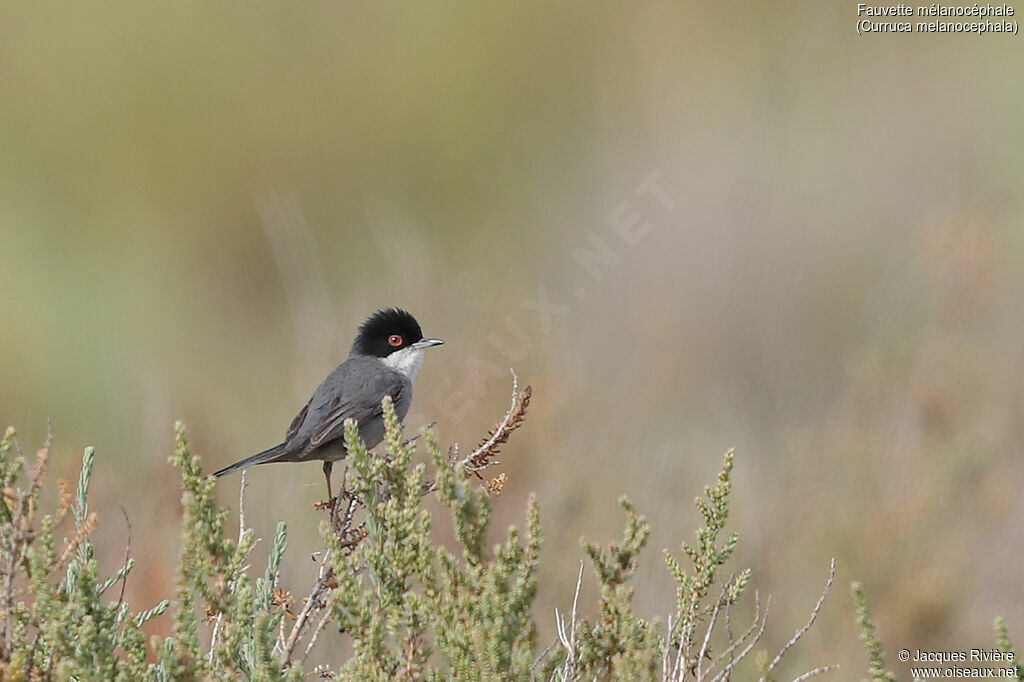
293,429
362,409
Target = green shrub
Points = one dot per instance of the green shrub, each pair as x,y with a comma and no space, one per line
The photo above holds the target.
409,609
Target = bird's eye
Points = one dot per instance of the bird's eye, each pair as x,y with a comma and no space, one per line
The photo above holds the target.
395,340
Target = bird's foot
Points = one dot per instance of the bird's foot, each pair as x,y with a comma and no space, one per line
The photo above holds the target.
328,504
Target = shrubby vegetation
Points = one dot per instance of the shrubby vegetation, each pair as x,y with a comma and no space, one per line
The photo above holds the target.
403,606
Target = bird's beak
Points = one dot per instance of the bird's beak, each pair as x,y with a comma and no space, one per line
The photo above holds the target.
427,343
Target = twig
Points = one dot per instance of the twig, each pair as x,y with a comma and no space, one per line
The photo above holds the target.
342,524
736,643
324,581
241,508
324,573
279,645
814,614
665,651
31,656
542,655
707,633
569,640
681,656
316,633
724,674
480,458
19,516
413,438
17,547
127,556
817,671
215,634
728,628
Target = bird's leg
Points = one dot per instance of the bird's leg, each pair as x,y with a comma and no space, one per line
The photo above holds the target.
328,465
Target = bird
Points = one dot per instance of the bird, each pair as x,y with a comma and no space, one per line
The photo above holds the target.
383,361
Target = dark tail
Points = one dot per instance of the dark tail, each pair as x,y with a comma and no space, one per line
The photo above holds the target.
268,455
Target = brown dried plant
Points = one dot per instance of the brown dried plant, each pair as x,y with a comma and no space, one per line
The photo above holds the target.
495,485
20,506
483,455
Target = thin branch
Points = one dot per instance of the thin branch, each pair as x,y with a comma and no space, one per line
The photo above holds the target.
127,556
667,649
480,458
31,656
728,629
543,655
12,557
241,508
215,634
415,437
707,632
348,539
814,614
316,633
576,595
344,523
569,639
735,644
242,531
817,671
724,674
677,669
280,634
324,573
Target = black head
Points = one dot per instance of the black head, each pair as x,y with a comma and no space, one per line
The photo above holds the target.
385,332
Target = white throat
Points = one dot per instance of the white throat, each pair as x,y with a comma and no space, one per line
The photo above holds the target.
406,361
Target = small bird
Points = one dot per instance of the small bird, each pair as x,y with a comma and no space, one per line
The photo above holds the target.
385,356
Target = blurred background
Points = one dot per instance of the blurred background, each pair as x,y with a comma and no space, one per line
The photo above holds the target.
689,226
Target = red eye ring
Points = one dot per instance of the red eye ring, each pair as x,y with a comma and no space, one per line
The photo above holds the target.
395,340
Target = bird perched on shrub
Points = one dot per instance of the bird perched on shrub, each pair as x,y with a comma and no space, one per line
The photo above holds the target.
385,356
